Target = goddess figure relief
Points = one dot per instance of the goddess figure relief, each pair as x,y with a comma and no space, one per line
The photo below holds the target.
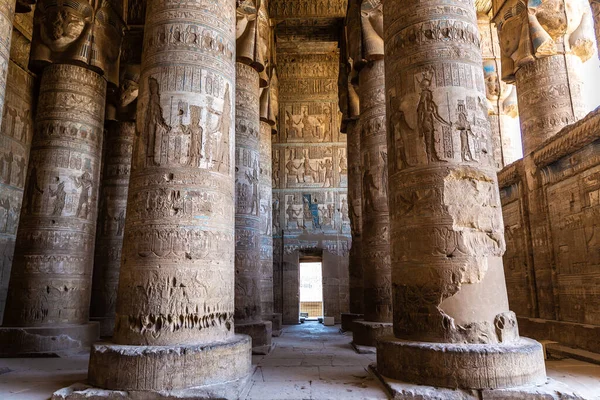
429,117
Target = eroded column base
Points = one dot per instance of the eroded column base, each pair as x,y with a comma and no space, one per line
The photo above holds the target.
549,389
156,369
226,390
348,321
366,334
47,341
465,366
260,332
276,321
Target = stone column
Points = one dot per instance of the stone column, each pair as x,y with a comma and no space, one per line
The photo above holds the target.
542,51
268,117
595,4
7,12
174,330
350,107
49,291
375,245
452,324
248,313
501,99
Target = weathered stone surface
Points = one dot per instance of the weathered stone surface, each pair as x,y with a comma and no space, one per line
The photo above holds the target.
178,367
460,365
7,12
348,321
15,140
47,340
266,221
261,333
51,276
547,390
366,333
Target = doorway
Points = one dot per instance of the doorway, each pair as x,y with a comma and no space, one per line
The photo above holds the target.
311,290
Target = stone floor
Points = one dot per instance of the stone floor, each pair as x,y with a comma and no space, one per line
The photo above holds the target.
309,361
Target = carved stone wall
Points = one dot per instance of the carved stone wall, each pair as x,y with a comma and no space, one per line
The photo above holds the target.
568,166
310,177
15,141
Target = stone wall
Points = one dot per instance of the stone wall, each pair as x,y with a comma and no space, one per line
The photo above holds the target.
310,180
559,301
15,141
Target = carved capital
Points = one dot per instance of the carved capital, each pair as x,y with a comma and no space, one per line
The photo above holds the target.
253,35
269,101
365,31
533,30
77,32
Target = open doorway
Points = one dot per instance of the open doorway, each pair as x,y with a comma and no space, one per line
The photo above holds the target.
311,290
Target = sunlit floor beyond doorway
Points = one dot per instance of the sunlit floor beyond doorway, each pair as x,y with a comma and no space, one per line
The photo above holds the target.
309,361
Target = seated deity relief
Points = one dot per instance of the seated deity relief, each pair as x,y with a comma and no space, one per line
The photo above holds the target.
308,123
543,28
78,32
253,35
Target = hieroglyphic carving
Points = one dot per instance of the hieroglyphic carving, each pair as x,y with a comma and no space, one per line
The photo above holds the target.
51,275
248,204
375,234
15,140
266,220
177,281
306,8
80,32
542,47
446,226
7,12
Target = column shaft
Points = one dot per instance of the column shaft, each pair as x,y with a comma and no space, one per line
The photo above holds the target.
595,4
375,214
446,224
7,12
247,215
111,223
550,97
175,304
355,199
50,283
266,221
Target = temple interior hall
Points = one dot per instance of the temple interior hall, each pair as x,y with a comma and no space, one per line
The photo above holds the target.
300,199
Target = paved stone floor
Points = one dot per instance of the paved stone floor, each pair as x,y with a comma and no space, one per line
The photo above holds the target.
309,361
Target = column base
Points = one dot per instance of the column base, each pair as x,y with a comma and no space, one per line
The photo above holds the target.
275,319
465,366
231,390
348,321
366,333
147,371
47,340
260,332
107,326
550,389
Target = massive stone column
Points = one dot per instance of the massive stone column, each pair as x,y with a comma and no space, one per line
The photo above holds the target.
501,99
50,286
7,12
174,330
350,107
542,49
248,313
452,324
112,205
268,117
375,245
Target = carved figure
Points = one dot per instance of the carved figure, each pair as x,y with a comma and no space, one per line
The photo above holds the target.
59,203
31,190
155,124
428,115
84,182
